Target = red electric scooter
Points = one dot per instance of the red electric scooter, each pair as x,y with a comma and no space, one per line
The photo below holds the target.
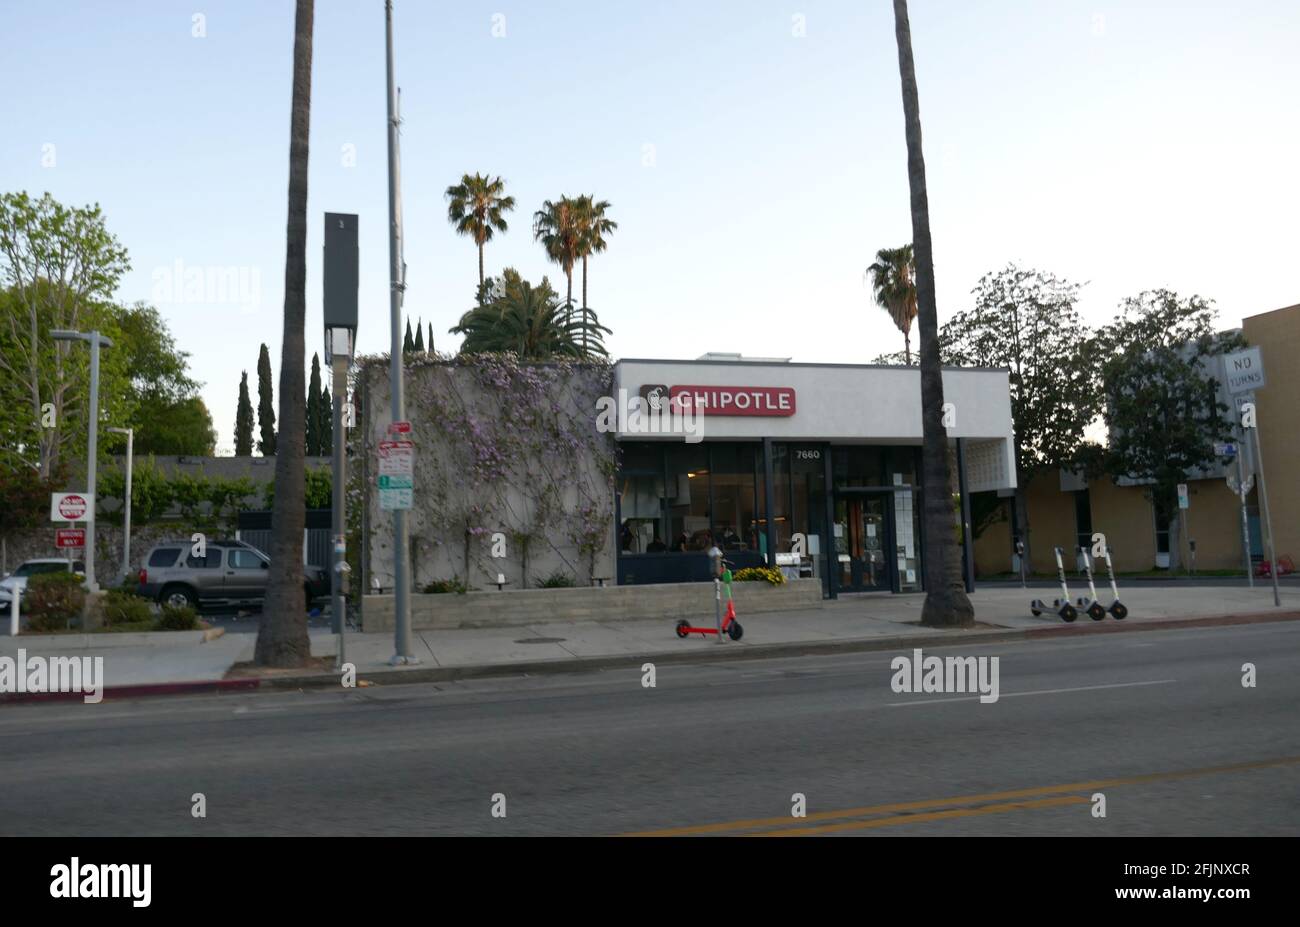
726,623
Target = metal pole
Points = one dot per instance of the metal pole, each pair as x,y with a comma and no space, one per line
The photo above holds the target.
397,283
13,615
339,600
1268,522
1245,519
126,540
967,542
92,451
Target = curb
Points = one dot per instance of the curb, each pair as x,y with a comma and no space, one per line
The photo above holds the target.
153,688
761,651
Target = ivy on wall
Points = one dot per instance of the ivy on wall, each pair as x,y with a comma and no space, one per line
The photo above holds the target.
508,447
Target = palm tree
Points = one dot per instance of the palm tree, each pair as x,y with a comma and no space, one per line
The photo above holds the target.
516,317
477,208
282,631
893,283
558,226
946,604
593,226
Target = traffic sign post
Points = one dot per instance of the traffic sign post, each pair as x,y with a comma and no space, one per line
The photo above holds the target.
397,473
1185,507
70,538
1245,374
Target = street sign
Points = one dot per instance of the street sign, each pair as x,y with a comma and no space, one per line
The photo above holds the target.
1242,490
72,506
399,428
1225,450
1245,371
70,537
397,472
1183,501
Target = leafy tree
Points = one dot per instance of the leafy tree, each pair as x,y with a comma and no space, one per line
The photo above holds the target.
313,409
514,316
244,420
1159,358
893,284
61,266
1028,321
476,207
559,227
326,423
25,497
265,405
167,414
594,227
180,427
282,633
946,604
319,484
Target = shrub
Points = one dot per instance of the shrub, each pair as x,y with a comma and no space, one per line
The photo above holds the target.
445,585
54,600
557,580
753,574
178,618
123,607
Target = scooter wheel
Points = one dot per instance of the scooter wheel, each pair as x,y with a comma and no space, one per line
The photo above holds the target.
1119,611
681,628
735,631
1035,612
1068,613
1096,612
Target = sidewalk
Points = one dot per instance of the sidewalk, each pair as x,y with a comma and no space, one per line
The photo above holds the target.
864,622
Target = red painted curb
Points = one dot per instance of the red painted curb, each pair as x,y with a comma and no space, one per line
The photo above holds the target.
157,688
1109,626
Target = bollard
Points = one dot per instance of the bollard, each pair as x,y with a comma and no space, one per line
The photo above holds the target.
13,615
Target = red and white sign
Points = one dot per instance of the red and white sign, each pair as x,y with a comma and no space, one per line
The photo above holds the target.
71,506
396,458
70,537
399,428
771,401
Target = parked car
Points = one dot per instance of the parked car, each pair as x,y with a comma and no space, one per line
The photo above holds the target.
231,573
16,582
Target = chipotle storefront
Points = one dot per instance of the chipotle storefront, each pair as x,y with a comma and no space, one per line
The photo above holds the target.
813,468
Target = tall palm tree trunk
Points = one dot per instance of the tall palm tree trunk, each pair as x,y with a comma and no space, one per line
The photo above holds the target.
584,305
282,632
480,265
907,348
946,604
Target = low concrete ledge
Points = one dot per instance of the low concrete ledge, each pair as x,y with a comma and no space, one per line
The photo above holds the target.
586,603
106,640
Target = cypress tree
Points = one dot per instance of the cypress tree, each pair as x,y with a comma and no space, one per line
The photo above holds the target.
244,420
312,430
419,337
265,405
430,337
326,423
408,343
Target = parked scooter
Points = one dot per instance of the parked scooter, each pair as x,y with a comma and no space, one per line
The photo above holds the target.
1096,611
1118,610
1061,606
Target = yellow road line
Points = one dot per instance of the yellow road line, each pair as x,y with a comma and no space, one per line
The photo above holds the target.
756,823
931,816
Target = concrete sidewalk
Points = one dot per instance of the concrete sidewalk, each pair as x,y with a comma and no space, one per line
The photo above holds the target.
860,622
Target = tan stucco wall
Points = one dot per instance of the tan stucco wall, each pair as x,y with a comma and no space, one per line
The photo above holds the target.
1123,514
993,547
1051,522
1278,335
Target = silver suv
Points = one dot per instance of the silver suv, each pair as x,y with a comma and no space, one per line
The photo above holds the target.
231,573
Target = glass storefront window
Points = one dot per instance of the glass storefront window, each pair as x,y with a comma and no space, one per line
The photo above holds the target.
862,465
907,540
902,467
642,510
736,504
686,493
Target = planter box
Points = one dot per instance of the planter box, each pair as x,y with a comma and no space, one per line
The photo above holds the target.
669,601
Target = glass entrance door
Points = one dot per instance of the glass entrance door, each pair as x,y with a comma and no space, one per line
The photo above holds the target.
862,538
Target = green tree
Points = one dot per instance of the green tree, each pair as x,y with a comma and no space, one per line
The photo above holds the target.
946,604
430,345
1028,322
594,229
244,420
167,414
558,226
476,207
61,266
893,284
326,423
1159,360
282,633
180,427
265,405
408,343
514,316
313,409
419,337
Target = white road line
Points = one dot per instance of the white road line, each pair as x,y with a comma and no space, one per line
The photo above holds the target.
975,698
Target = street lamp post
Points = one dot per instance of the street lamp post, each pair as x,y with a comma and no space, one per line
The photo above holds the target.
95,340
126,521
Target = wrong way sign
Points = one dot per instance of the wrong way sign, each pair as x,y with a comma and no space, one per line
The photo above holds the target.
72,506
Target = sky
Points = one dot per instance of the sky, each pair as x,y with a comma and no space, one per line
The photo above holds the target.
752,152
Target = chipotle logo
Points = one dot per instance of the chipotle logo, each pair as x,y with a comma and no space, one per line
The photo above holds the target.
770,401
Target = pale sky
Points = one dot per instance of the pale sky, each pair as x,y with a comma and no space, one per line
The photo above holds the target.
752,151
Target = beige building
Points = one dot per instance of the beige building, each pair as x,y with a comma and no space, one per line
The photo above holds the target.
1065,511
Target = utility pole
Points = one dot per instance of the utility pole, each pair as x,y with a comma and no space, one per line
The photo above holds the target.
397,285
126,522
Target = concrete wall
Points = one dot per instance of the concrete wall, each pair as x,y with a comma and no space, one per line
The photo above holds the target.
1278,336
669,601
992,549
487,461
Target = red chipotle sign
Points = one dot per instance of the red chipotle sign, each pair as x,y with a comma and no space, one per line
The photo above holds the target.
768,401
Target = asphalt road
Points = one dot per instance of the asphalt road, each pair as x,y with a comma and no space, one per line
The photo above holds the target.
1160,720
